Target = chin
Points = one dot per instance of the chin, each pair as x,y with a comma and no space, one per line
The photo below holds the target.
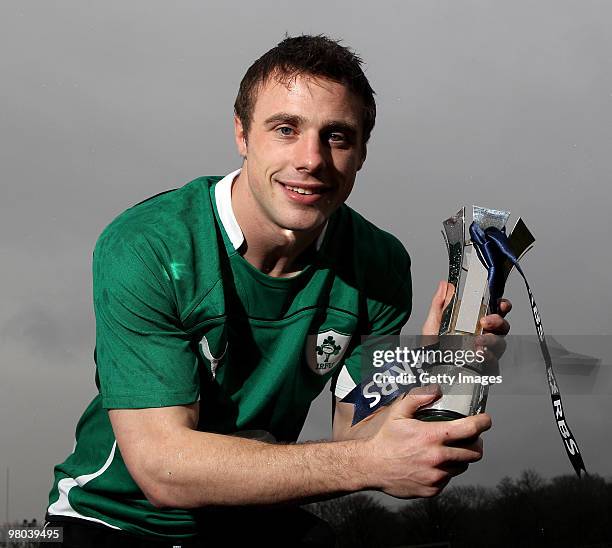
302,226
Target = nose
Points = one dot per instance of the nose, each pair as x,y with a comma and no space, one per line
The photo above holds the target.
310,153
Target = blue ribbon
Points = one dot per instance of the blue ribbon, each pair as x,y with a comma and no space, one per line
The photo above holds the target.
493,248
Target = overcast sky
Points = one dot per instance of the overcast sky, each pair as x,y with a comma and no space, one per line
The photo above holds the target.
502,104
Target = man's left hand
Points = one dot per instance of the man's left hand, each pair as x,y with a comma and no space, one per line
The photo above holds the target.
493,323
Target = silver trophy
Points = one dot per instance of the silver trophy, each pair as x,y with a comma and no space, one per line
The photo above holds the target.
460,324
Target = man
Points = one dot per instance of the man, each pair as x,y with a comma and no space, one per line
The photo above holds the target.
223,308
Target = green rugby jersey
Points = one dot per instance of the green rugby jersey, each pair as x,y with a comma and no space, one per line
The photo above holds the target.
181,317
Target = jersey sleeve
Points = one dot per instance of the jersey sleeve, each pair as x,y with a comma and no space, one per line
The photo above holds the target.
143,357
385,318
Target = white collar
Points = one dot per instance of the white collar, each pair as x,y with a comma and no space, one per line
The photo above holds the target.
223,200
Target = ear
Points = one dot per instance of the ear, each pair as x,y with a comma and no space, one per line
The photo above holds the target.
240,137
363,156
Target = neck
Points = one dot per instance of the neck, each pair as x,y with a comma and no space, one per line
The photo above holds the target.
275,251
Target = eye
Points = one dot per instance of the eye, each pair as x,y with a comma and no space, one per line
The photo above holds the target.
285,131
337,137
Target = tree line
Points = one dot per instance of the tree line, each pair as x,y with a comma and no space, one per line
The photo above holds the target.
530,511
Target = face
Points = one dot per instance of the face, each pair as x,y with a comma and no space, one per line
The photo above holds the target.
303,151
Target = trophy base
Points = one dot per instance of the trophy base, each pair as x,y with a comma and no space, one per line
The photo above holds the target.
462,394
434,415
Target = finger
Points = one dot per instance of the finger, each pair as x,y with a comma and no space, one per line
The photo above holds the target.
465,429
434,317
454,468
444,480
491,342
440,300
504,307
458,456
474,444
494,323
411,402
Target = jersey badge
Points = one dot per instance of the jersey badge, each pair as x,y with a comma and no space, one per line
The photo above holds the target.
325,350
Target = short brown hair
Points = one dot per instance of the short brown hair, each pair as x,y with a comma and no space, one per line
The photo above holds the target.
312,55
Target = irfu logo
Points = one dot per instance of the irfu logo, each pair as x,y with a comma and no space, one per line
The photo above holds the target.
329,348
325,350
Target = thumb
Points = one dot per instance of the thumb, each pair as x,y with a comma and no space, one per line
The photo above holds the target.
411,402
439,302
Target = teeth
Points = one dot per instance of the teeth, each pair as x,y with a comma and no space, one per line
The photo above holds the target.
299,190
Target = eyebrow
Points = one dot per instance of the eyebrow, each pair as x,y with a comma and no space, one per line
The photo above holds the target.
279,117
296,120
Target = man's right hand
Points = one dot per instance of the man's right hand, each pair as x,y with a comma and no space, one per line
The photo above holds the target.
411,458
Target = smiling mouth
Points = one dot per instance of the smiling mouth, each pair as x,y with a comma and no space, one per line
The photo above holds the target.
299,190
305,191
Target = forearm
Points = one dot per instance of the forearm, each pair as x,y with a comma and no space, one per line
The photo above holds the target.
199,468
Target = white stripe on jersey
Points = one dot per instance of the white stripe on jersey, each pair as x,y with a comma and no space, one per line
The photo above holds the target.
62,506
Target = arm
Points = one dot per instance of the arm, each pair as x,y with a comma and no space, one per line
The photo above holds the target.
177,466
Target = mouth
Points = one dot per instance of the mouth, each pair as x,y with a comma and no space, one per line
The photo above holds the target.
299,190
304,193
